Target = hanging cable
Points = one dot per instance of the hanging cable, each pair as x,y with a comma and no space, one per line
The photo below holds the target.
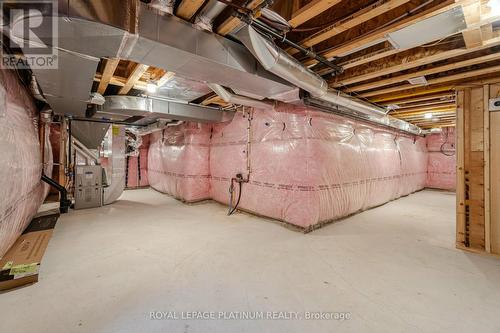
442,149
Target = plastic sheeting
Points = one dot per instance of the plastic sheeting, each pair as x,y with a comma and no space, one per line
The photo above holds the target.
178,161
138,165
307,167
20,174
441,169
115,166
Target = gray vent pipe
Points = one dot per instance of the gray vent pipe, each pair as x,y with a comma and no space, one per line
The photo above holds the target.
284,65
205,18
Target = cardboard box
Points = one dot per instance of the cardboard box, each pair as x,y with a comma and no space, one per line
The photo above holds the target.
21,263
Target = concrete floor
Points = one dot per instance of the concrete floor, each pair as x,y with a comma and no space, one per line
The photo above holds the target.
393,268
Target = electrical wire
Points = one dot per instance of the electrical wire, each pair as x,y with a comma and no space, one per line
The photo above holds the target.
443,151
231,190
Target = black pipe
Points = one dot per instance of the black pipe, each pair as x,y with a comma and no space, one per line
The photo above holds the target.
263,28
64,203
69,144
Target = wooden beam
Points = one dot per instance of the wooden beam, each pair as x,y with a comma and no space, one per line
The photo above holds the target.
187,8
450,78
427,108
312,9
420,112
486,144
232,22
446,95
472,38
107,74
431,103
411,93
136,74
472,14
363,15
434,70
425,60
381,33
215,100
120,82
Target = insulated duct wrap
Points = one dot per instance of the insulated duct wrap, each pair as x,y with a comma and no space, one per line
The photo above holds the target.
178,161
307,167
21,171
115,168
441,168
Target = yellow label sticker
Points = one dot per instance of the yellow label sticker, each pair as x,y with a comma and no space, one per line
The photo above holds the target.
23,269
116,130
8,265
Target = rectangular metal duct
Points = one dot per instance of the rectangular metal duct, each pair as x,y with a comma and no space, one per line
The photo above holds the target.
163,109
89,134
428,30
94,29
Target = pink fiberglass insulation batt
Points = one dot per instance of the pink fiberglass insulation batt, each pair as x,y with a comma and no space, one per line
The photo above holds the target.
441,169
307,166
178,161
22,190
138,165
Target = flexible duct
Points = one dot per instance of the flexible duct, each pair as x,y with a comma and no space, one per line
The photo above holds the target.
237,99
278,62
205,19
282,64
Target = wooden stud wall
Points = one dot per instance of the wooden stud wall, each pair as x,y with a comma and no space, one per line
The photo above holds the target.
478,180
494,176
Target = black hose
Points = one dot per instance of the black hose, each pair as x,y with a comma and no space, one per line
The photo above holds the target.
237,201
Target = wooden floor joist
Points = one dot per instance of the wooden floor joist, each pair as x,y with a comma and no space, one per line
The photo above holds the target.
363,15
404,101
107,74
312,9
445,79
187,8
433,70
136,74
425,60
429,105
412,93
381,34
232,22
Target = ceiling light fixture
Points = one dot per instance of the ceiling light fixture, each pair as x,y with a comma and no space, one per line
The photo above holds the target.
428,116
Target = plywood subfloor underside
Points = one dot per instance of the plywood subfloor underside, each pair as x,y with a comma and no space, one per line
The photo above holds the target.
394,268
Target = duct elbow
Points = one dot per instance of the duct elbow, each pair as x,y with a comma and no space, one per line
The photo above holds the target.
228,97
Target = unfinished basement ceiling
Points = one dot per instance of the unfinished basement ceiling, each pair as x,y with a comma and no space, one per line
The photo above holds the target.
415,82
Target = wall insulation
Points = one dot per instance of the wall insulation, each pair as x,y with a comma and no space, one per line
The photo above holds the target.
178,161
441,168
22,190
306,166
137,169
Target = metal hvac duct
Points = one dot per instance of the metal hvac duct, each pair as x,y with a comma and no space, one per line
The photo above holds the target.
127,29
277,61
205,18
237,99
158,108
